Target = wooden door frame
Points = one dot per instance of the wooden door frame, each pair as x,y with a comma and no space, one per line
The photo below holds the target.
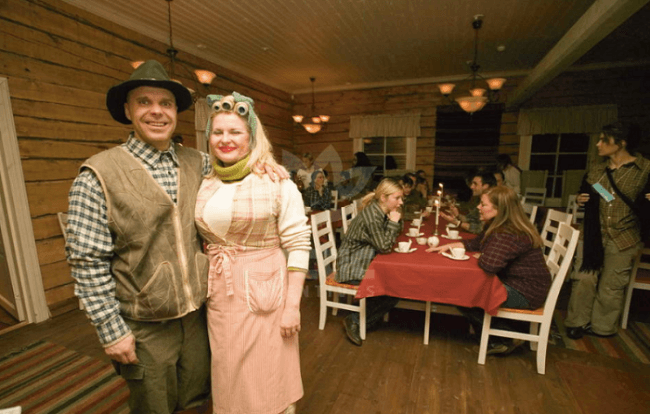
17,227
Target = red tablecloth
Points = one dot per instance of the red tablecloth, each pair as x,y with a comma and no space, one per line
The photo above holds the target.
432,277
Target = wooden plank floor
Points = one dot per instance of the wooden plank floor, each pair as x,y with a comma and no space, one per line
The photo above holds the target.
393,372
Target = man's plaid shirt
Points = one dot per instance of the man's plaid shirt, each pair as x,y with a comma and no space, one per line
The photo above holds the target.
89,244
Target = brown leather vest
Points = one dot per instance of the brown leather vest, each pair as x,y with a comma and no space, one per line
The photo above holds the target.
158,265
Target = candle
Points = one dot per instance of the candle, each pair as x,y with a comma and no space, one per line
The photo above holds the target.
437,212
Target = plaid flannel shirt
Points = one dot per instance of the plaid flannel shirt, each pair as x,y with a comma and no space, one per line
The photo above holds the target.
370,232
317,201
90,246
617,220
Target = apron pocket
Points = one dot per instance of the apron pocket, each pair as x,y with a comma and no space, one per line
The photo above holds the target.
264,290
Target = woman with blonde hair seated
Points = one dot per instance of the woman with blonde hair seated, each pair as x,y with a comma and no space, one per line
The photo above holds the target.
254,290
511,248
374,230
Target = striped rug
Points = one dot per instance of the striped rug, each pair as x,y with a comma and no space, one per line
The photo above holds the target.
45,378
631,344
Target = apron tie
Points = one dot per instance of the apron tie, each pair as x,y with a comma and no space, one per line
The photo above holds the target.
221,258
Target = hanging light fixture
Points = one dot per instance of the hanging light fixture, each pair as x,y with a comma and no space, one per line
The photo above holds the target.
477,98
204,77
314,123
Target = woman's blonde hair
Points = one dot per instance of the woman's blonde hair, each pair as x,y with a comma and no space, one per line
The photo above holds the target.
261,150
510,217
386,187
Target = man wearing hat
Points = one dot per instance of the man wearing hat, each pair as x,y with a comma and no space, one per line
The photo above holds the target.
134,250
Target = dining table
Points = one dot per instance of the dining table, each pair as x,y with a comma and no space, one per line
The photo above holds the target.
432,277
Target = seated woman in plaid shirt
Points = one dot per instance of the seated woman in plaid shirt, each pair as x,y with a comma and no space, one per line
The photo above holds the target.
511,248
374,230
318,196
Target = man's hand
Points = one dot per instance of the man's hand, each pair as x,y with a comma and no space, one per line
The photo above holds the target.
290,322
123,351
582,199
275,173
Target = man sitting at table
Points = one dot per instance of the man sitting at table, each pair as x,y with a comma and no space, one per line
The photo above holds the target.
471,222
413,200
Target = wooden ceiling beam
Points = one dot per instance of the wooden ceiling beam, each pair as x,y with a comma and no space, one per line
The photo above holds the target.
598,21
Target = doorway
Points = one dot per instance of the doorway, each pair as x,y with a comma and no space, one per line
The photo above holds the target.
21,285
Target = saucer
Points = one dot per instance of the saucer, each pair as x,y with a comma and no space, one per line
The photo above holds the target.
450,238
410,251
417,235
466,257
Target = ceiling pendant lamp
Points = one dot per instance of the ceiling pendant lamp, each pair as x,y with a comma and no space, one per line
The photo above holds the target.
315,122
477,98
202,76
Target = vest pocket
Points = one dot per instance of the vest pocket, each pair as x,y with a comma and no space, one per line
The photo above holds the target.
158,298
264,290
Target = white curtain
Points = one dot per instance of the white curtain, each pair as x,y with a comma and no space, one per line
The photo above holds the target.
567,120
404,125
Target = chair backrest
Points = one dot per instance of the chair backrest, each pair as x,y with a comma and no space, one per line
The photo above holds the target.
559,261
357,204
535,195
578,212
347,214
533,178
552,226
531,211
335,199
324,244
63,223
571,180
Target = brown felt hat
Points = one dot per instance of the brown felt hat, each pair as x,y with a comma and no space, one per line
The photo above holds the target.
150,73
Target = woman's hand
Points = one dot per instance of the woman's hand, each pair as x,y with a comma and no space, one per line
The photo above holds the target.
582,199
290,322
394,216
444,247
425,214
449,218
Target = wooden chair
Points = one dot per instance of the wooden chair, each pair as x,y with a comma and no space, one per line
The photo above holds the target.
558,262
535,195
551,227
531,211
578,212
63,223
325,249
639,279
357,205
347,214
335,199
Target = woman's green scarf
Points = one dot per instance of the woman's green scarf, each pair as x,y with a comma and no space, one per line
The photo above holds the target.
235,172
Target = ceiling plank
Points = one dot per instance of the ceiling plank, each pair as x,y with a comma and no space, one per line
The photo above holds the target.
598,21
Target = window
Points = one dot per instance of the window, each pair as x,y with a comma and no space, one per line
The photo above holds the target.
556,153
383,150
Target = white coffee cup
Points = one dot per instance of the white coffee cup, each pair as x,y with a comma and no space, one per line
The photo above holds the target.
429,209
403,246
421,240
413,232
458,252
433,241
416,222
453,234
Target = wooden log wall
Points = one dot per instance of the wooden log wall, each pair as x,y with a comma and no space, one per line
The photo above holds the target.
627,87
422,98
60,61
